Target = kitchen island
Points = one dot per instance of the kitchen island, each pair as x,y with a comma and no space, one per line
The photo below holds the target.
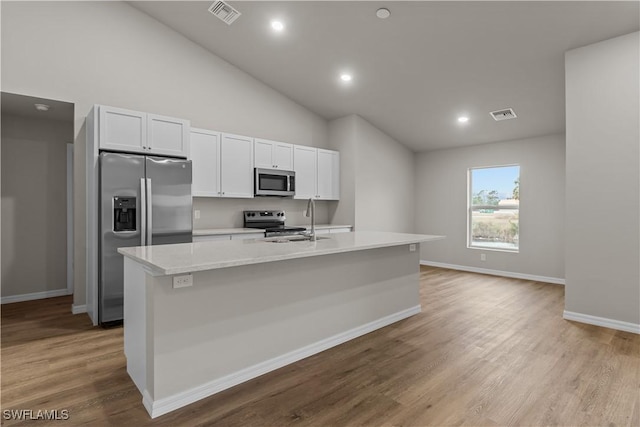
202,317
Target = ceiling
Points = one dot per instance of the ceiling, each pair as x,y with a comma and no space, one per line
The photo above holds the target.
415,72
22,105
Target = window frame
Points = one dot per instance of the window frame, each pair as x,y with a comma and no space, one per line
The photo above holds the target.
470,208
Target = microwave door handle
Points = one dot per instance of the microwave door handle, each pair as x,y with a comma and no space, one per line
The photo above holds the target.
292,183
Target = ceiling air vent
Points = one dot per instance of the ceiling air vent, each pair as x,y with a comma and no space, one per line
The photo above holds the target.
505,114
225,12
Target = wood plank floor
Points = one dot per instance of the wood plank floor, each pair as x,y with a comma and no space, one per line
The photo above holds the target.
485,351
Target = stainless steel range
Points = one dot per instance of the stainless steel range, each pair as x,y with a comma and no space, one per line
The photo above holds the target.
272,222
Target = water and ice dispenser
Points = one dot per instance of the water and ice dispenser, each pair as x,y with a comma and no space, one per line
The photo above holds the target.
124,213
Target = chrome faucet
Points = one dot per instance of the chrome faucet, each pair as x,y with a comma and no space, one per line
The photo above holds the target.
311,211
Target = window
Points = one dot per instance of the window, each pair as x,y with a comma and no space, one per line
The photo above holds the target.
494,202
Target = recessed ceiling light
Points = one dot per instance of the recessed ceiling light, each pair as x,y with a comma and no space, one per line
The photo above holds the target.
346,77
383,13
463,119
277,25
42,107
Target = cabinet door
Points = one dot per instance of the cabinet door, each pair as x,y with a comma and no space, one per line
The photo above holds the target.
328,175
168,136
263,153
305,166
236,166
283,156
122,130
205,158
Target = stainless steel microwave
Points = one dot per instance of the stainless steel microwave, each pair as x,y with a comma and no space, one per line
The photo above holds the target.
271,182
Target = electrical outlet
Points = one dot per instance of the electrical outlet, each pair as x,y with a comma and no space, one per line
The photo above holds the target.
182,281
412,247
483,257
196,214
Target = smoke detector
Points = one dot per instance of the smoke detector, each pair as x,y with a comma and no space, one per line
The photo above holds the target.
504,114
42,107
225,12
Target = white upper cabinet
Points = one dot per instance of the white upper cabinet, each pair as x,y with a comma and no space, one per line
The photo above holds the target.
167,135
273,154
205,158
305,164
122,130
317,173
138,132
328,175
236,166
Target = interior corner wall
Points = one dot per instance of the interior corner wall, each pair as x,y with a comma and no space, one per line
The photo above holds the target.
34,219
376,177
603,180
343,138
110,53
385,181
441,197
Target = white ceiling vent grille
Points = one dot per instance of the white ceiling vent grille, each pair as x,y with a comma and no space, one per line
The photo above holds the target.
224,11
504,114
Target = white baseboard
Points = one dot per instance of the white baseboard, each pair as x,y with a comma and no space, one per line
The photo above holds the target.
77,309
36,295
554,280
602,321
178,400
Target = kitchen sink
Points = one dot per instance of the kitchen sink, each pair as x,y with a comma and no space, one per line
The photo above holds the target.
290,239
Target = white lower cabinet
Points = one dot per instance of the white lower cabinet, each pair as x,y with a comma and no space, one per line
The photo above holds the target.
211,238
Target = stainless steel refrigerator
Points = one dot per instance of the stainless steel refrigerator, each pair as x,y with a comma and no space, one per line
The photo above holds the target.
144,200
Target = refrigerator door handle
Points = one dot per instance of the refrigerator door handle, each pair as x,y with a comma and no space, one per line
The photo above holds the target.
149,213
143,212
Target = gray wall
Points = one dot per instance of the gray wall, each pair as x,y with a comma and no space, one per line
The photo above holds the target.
34,220
110,53
441,197
377,177
342,137
603,174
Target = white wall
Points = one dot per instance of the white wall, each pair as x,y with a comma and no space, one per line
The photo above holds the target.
441,197
227,213
603,174
34,220
376,177
110,53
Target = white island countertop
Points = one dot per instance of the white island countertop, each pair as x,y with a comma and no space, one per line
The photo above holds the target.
200,256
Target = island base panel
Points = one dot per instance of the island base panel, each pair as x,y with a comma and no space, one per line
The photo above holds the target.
237,323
